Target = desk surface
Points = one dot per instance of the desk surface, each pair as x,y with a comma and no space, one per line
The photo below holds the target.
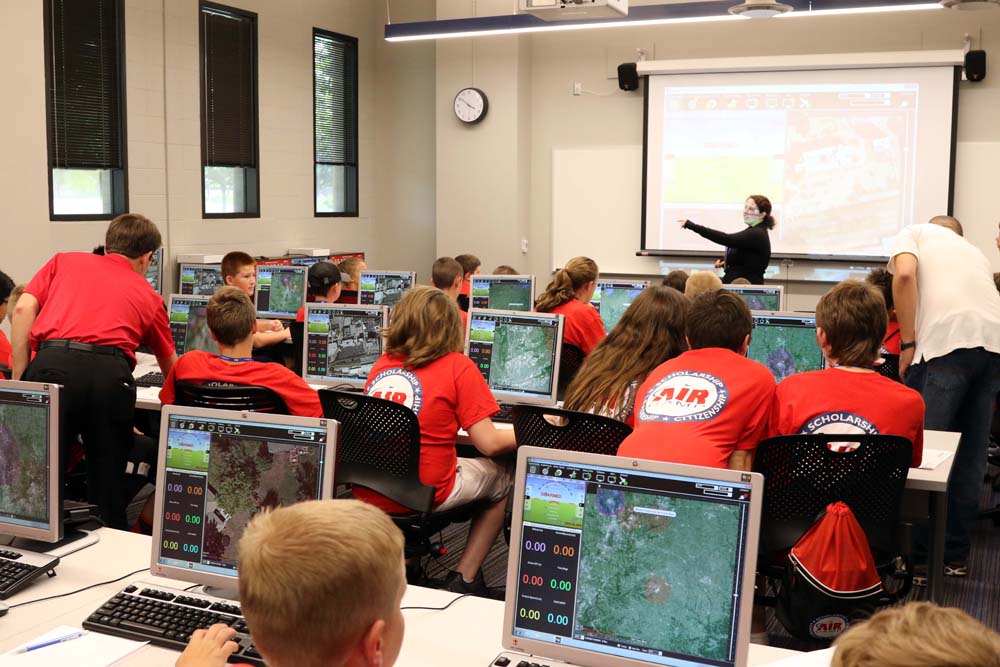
472,626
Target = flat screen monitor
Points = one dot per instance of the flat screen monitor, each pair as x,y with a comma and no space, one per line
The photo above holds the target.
384,288
503,292
216,470
613,297
760,297
200,279
154,274
623,562
785,343
189,324
30,488
281,291
306,261
518,353
342,343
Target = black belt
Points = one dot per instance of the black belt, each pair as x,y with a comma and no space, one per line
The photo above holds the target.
83,347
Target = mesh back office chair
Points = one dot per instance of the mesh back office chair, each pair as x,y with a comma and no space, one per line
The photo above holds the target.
570,361
232,397
297,330
380,450
5,372
568,430
889,367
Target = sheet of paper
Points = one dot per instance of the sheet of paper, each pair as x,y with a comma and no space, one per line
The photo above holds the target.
148,393
810,659
932,458
91,650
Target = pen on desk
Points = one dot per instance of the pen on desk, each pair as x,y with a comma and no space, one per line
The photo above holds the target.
51,642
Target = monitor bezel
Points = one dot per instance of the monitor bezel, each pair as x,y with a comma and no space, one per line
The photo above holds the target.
586,658
512,397
304,270
227,582
316,307
754,314
498,278
742,288
192,265
54,532
368,272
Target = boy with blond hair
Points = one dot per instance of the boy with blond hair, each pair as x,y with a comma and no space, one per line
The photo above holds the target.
701,281
351,269
339,583
240,270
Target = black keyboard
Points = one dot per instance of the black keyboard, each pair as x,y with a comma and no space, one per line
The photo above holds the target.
19,568
152,379
167,617
504,416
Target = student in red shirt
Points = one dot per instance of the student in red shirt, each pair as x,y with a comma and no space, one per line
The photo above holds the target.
240,270
882,279
650,332
470,267
231,319
448,276
708,406
351,269
324,285
88,344
849,396
569,295
424,369
6,288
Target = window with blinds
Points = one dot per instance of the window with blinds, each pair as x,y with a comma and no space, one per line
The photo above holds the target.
229,112
335,120
85,108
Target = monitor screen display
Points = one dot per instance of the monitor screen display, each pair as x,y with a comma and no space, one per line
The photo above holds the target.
612,298
201,279
785,343
503,292
517,353
189,324
759,297
342,342
154,274
218,472
384,288
631,563
281,290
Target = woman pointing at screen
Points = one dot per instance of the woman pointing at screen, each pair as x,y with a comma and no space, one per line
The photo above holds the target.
748,252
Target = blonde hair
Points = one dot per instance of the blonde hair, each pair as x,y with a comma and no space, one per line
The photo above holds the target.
315,575
351,267
576,274
701,281
230,315
425,326
918,634
505,270
15,294
650,332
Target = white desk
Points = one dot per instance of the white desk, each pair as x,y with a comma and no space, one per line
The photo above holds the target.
935,483
466,634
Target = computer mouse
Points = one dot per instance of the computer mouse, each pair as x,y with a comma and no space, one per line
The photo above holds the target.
3,609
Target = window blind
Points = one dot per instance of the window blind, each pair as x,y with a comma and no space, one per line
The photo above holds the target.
229,87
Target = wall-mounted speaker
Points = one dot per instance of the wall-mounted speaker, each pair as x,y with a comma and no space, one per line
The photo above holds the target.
975,66
628,77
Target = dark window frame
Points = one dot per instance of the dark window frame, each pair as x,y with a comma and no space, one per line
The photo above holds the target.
250,174
119,186
352,212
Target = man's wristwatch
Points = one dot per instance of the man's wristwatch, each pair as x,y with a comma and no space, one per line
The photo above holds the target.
907,346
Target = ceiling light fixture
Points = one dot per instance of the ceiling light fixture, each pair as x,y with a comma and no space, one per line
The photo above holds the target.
760,9
970,5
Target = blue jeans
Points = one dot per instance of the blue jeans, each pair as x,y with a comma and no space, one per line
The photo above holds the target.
959,390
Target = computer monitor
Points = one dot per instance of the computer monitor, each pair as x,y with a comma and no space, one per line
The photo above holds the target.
30,475
503,292
281,291
518,353
613,297
200,279
623,562
154,274
785,343
760,297
384,288
216,470
189,324
341,343
306,261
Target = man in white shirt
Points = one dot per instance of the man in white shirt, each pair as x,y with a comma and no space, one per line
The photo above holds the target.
949,322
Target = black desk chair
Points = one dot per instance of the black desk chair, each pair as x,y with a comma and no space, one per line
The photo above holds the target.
564,429
889,367
570,361
231,397
5,372
380,450
297,330
803,475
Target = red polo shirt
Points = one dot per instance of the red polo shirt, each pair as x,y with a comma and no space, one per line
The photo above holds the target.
6,356
583,326
98,299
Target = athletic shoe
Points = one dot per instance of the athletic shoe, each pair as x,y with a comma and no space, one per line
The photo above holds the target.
956,568
456,583
920,574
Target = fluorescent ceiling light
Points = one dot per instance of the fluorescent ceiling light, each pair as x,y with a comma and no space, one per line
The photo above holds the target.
971,5
865,10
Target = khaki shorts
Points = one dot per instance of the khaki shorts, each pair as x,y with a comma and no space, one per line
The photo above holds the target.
477,479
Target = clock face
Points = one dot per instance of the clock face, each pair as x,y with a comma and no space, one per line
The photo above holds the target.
471,105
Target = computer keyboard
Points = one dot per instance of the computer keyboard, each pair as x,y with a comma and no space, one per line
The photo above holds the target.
151,379
167,617
504,416
19,568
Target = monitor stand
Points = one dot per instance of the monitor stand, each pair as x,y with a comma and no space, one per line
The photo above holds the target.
73,540
225,593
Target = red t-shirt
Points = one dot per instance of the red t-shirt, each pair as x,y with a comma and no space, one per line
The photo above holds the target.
447,394
700,407
839,401
98,299
301,315
201,367
583,326
466,289
6,353
465,319
892,339
348,296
